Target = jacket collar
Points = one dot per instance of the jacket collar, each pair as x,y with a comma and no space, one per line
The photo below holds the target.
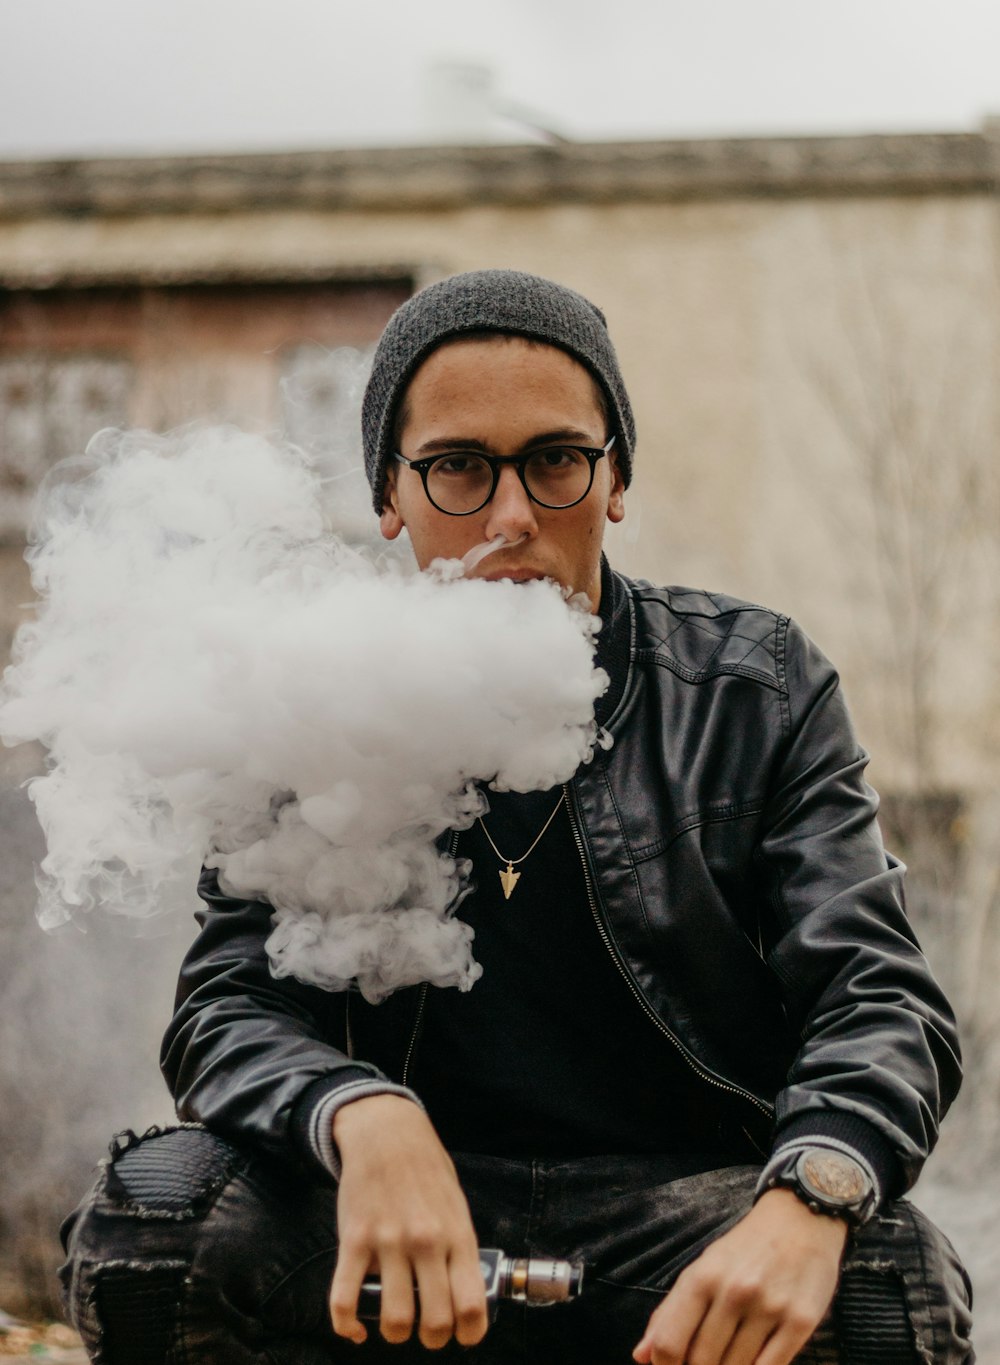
614,643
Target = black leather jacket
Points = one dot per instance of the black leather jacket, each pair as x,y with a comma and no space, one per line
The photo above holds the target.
738,878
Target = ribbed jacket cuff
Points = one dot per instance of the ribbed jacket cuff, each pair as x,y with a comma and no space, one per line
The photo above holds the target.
314,1113
838,1131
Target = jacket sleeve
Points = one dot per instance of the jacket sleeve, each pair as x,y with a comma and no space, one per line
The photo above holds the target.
252,1057
879,1062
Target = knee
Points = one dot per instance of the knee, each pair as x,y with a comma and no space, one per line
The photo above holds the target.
131,1243
904,1296
153,1195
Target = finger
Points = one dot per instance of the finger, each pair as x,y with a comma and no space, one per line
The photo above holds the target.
733,1329
795,1329
398,1303
717,1336
352,1266
437,1314
707,1350
747,1342
468,1296
673,1324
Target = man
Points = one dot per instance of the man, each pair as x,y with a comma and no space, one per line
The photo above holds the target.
706,1055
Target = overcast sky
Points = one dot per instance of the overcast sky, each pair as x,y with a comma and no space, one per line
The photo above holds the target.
88,76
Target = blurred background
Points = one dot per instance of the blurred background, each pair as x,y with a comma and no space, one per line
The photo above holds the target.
790,214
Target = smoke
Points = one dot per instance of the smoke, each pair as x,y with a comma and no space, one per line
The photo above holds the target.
219,678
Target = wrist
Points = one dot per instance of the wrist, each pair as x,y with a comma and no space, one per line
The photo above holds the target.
324,1131
847,1132
827,1181
355,1118
788,1203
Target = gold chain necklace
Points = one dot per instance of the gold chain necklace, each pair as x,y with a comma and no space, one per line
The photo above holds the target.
508,877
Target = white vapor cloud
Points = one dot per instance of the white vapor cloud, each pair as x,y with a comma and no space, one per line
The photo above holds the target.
218,677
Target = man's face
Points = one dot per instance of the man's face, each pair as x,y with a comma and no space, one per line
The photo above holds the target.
505,396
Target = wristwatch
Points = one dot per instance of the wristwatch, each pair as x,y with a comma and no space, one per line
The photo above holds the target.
827,1181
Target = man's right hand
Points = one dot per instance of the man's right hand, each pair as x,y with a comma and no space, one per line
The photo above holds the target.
401,1212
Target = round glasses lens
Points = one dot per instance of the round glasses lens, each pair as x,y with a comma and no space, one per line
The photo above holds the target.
459,483
558,475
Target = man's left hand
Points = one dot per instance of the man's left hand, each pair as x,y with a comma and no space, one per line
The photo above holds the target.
756,1295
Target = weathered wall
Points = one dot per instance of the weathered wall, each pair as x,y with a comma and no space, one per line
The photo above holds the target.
776,305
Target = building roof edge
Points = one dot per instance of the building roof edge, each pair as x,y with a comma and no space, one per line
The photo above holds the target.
446,177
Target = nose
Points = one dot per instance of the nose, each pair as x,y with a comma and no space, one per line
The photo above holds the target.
511,511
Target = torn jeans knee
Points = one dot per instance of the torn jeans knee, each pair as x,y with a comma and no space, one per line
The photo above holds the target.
131,1242
226,1254
904,1296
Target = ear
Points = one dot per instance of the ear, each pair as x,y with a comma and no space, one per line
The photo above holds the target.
390,522
616,497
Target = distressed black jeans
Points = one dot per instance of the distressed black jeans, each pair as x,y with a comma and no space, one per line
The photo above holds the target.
189,1250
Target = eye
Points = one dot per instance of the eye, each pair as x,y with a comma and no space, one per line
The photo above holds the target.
460,462
557,457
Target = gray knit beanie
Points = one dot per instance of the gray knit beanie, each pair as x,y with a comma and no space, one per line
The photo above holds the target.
504,301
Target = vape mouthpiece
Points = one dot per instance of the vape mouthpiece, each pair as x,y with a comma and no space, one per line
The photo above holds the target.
535,1280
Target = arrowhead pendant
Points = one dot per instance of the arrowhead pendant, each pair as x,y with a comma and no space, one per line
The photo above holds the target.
509,879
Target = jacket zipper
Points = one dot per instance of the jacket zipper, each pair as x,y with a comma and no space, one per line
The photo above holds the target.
627,977
422,1005
348,1036
416,1033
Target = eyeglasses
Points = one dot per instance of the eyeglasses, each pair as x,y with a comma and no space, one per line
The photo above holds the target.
463,481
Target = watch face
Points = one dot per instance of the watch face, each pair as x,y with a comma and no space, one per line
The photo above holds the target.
833,1177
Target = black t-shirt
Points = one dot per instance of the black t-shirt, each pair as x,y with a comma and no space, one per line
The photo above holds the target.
550,1053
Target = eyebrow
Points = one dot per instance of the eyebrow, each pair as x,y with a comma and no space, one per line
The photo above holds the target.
564,435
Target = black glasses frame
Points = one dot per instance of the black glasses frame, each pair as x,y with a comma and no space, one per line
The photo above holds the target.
495,462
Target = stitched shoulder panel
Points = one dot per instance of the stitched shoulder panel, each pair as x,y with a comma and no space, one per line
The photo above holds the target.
700,635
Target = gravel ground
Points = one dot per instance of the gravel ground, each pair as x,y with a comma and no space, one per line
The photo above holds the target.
38,1343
